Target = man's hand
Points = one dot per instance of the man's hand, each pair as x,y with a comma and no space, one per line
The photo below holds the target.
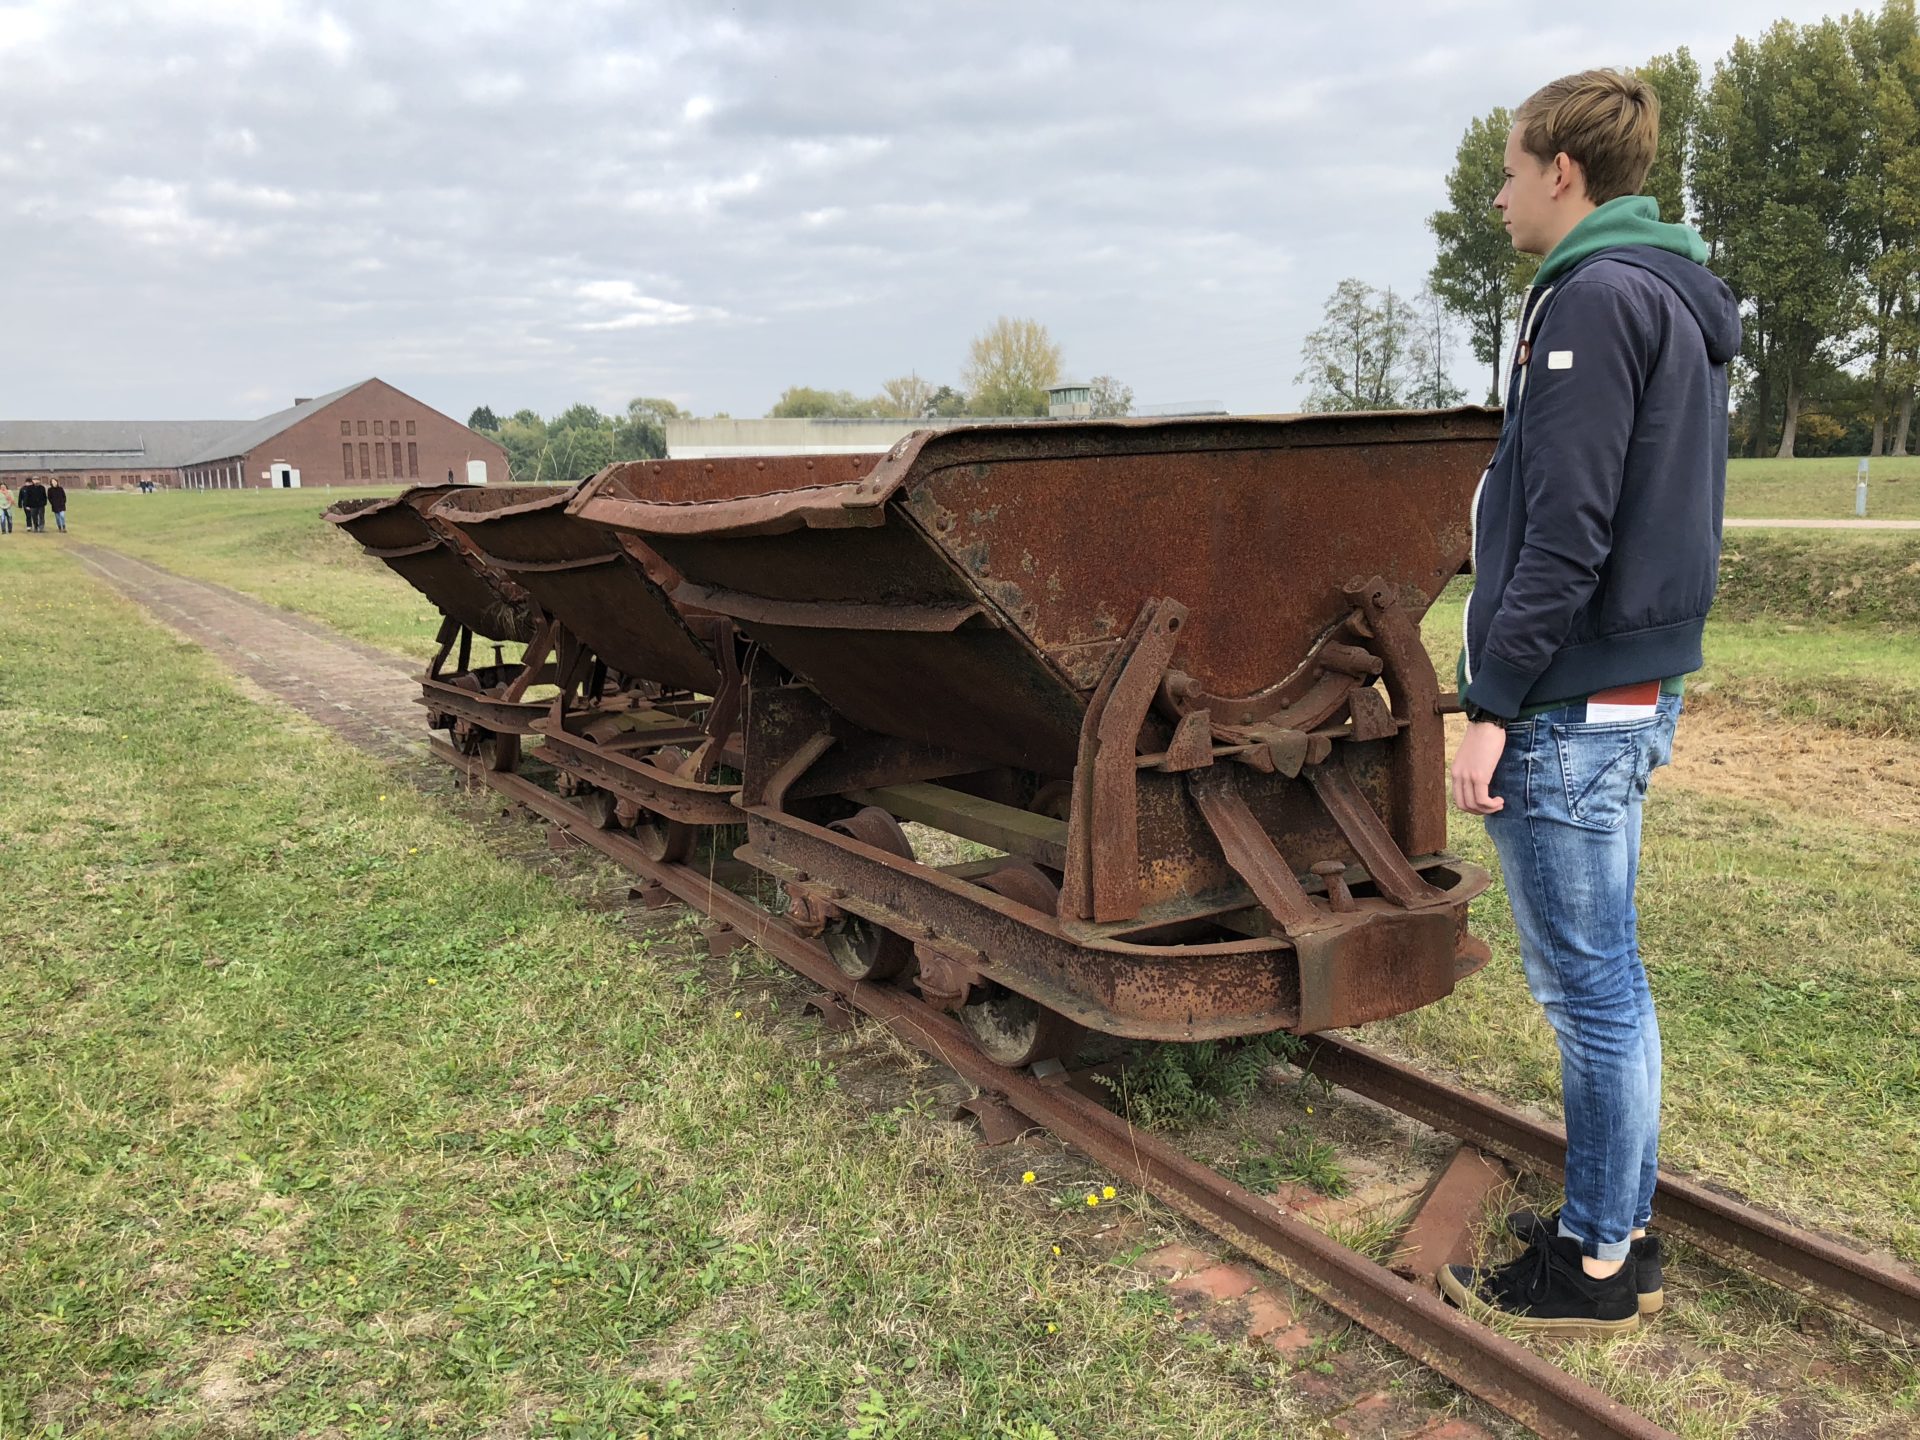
1473,768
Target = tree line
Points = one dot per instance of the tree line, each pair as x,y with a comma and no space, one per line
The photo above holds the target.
580,439
1799,162
1009,367
1007,372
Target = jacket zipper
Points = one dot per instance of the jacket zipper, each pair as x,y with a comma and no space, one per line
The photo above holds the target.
1530,307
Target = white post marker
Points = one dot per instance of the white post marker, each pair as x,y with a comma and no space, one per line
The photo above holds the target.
1860,491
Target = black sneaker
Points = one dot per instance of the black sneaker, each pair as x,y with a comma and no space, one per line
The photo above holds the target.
1546,1290
1649,1282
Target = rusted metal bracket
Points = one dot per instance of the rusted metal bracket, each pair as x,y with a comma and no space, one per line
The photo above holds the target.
1419,762
774,793
1398,880
1103,834
534,658
1253,855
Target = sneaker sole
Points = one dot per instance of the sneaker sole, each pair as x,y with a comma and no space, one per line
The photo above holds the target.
1652,1301
1572,1328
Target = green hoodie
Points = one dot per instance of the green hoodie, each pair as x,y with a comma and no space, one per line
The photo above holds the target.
1628,220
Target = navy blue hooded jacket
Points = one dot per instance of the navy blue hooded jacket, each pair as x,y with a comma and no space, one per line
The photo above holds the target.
1596,529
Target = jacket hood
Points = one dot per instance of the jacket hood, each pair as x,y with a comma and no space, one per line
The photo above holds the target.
1629,229
1704,293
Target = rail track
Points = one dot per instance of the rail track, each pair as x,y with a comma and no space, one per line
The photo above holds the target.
1406,1312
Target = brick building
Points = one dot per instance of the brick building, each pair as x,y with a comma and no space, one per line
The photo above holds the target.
365,434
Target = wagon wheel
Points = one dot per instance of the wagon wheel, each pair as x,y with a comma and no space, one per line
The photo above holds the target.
862,949
499,752
668,842
1012,1029
601,807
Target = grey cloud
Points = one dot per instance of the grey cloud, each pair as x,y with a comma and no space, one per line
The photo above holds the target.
207,205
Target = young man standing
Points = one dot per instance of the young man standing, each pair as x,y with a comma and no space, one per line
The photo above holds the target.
33,495
1596,552
57,502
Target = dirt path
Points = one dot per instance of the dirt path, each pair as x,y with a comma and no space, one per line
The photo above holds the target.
364,694
1747,524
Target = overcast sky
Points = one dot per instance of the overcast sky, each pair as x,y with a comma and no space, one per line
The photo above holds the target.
208,207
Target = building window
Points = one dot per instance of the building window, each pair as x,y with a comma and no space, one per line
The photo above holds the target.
363,429
380,461
366,462
346,427
413,457
378,428
409,427
346,461
396,459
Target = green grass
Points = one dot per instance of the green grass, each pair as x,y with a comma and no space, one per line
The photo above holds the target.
1822,489
271,544
321,1119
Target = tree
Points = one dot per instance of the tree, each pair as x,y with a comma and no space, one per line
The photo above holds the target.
523,435
1430,374
1477,273
907,396
1009,367
1110,397
1675,79
1358,358
1887,194
483,418
579,442
641,434
1778,155
947,403
803,402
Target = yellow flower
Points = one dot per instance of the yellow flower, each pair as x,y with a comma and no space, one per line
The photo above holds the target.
1052,1328
413,849
1309,1109
1027,1179
432,981
383,797
1106,1192
1056,1249
738,1013
1093,1200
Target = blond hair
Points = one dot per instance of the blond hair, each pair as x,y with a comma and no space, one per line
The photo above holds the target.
1608,120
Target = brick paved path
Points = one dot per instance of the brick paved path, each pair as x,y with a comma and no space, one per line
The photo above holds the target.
363,693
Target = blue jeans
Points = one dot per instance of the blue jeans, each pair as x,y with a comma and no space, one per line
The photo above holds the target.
60,520
1569,843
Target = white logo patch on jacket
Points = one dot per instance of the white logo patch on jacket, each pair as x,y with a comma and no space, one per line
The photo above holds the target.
1559,360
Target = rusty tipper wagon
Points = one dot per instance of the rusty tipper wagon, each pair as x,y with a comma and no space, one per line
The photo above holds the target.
1169,672
482,707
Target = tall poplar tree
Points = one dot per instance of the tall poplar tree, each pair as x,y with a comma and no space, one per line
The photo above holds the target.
1777,154
1477,273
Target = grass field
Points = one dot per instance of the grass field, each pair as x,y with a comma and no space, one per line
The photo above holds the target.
1822,489
322,1120
269,1168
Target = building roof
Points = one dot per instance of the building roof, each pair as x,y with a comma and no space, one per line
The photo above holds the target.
248,434
106,444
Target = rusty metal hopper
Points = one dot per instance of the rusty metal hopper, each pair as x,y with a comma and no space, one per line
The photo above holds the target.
436,561
969,588
610,591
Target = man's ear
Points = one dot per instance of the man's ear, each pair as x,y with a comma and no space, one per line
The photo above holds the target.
1567,174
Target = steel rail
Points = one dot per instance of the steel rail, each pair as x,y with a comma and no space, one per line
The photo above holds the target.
1506,1375
1881,1295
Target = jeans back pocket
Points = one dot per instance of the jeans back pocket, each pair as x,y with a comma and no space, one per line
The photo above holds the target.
1605,767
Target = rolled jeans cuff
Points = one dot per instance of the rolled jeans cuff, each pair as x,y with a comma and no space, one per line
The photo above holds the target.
1611,1250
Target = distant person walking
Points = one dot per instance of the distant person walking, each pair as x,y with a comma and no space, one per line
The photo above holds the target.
6,511
57,502
33,500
